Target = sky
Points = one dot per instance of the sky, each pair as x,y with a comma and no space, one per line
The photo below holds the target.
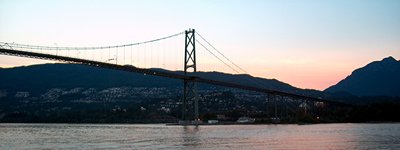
307,43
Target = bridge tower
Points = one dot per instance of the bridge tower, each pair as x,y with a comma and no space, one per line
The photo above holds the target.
189,86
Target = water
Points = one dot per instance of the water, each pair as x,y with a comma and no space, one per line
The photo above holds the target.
158,136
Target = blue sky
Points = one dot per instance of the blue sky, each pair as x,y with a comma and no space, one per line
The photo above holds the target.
306,43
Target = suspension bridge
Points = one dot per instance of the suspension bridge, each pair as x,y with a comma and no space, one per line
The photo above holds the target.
145,57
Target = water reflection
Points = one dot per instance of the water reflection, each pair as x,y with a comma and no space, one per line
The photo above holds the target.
309,137
190,137
190,129
321,136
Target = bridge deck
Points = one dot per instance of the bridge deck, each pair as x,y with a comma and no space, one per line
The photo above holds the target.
153,72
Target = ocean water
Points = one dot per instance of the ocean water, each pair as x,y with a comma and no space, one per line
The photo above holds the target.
160,136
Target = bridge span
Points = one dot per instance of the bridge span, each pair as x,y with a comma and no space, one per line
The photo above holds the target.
190,63
154,72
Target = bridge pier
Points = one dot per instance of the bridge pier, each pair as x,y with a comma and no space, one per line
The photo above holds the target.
189,86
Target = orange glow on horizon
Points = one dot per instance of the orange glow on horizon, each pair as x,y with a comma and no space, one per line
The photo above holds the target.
302,75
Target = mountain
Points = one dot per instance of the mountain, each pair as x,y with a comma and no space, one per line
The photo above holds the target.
46,76
80,93
379,78
73,93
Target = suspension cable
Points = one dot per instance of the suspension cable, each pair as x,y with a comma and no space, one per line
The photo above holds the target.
221,53
217,57
250,79
25,46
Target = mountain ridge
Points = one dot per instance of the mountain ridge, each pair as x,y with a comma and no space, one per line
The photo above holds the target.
44,76
378,78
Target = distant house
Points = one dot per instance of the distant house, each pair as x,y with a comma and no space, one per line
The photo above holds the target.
213,121
246,120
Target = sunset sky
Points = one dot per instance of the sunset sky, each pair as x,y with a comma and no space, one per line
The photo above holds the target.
306,43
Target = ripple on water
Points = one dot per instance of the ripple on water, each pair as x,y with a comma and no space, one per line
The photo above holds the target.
158,136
